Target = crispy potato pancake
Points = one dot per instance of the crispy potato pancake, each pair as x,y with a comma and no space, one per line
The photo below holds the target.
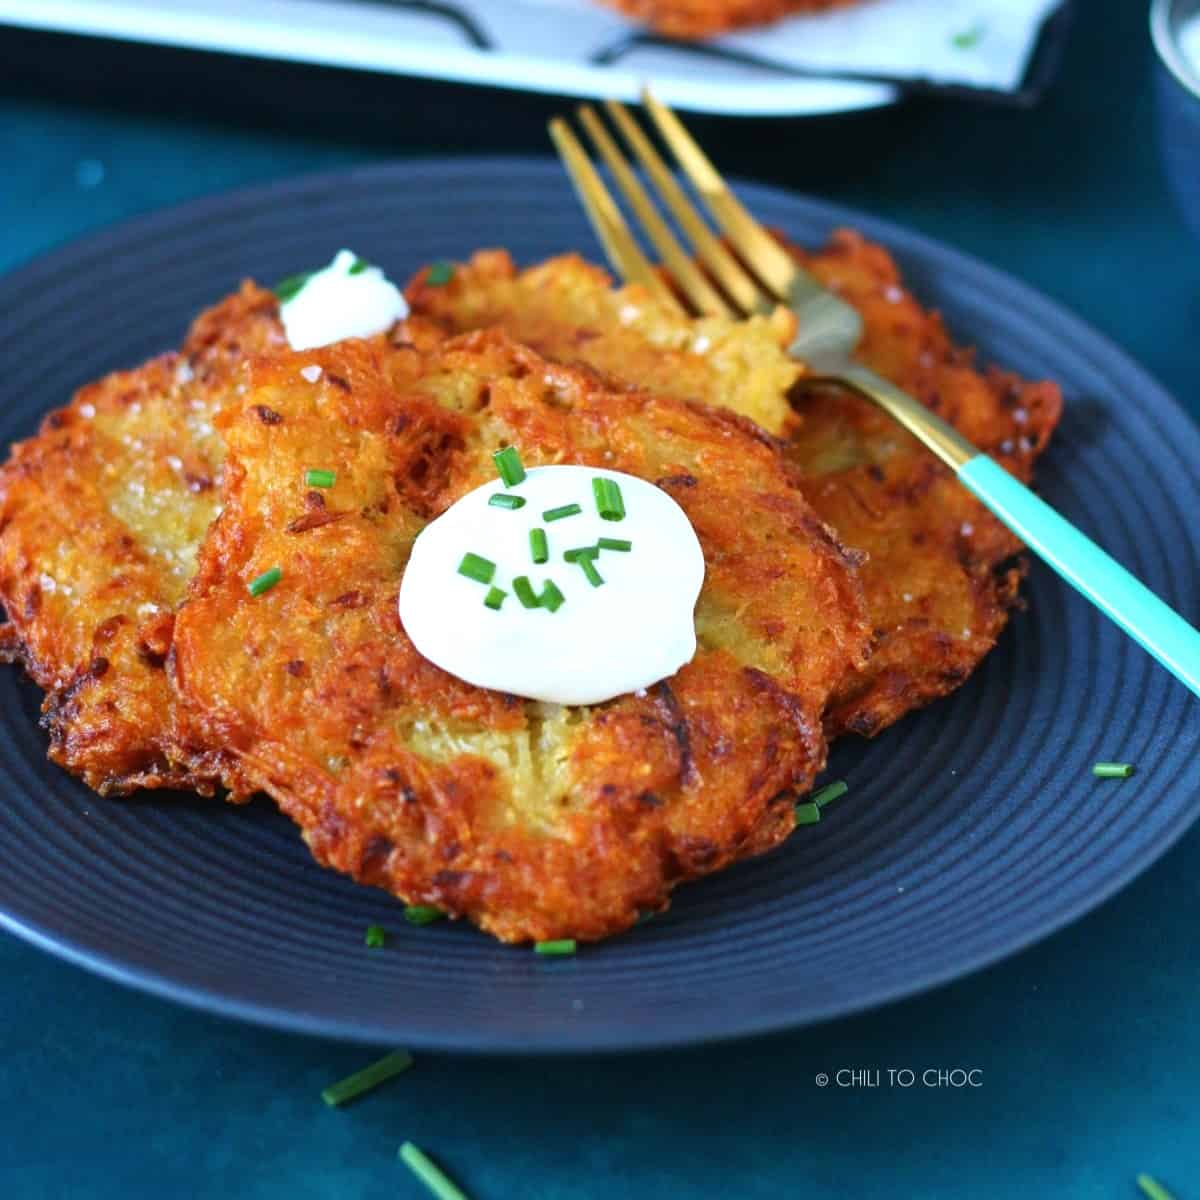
704,18
101,514
939,577
533,820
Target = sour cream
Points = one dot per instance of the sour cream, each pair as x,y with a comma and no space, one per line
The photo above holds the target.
634,629
343,300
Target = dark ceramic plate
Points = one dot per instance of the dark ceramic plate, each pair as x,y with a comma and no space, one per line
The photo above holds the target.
971,829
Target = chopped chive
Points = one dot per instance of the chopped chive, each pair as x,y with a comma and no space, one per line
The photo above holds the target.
265,582
829,793
551,598
429,1173
563,510
614,544
539,549
1153,1189
609,504
321,479
508,463
358,266
557,948
808,813
422,914
287,289
589,569
479,569
503,500
1112,770
369,1077
494,598
525,593
967,39
441,272
581,552
376,937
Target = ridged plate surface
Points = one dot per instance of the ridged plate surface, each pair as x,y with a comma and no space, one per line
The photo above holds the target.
971,829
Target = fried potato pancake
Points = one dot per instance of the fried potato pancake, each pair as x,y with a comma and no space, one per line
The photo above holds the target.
704,18
533,820
101,514
939,577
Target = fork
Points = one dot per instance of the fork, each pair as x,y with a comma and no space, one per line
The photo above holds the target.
829,331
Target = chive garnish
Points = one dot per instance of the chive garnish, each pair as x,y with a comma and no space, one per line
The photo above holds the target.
1112,770
422,914
265,582
358,266
556,948
494,598
808,813
524,591
287,289
369,1077
614,544
431,1175
551,598
609,504
321,479
589,569
966,39
376,937
479,569
1153,1189
563,510
508,463
829,793
539,549
441,272
504,500
581,552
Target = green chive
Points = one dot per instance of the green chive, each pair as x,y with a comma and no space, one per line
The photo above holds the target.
581,552
1153,1189
369,1077
589,569
557,948
479,569
503,500
441,272
376,937
508,463
287,289
1111,770
539,549
525,592
968,38
494,598
358,267
321,479
829,793
551,598
422,914
564,510
431,1175
265,582
615,544
609,504
807,814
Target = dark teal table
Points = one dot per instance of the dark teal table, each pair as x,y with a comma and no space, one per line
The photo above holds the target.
1087,1046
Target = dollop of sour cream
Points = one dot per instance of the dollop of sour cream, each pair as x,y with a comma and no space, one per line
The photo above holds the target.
604,640
349,298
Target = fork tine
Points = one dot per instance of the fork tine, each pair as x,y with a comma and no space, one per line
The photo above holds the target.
623,252
727,271
691,282
764,255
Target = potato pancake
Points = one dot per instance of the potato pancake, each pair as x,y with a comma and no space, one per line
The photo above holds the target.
939,577
533,820
705,18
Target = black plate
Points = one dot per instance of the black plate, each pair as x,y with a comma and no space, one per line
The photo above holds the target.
971,829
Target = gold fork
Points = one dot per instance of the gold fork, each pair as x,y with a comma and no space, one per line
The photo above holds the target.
829,331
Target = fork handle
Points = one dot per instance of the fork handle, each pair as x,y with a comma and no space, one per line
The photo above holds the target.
1157,627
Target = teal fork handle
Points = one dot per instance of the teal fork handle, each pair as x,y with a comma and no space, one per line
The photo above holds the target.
1111,588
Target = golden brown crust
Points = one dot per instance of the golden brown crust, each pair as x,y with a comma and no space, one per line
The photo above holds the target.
532,820
100,516
704,18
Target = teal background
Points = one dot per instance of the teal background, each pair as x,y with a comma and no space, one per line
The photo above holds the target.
1088,1044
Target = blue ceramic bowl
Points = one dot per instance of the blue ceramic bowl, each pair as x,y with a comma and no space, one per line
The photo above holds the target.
1177,83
